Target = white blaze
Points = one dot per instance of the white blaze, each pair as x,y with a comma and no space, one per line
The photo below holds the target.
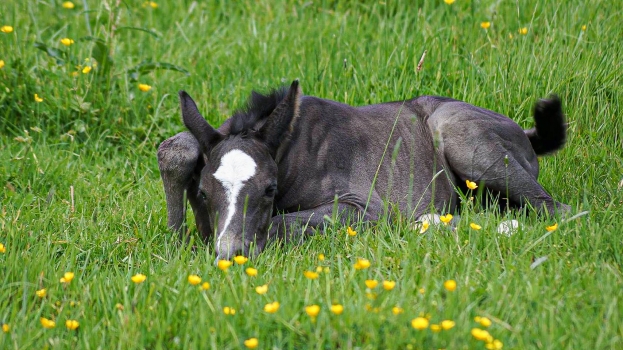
236,168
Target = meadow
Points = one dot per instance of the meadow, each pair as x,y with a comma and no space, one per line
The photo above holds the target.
88,89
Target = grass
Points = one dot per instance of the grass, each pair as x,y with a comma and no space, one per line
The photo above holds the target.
97,132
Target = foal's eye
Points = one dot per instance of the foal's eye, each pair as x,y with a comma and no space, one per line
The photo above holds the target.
271,190
203,195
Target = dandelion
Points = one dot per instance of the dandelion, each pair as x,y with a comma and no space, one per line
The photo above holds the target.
86,70
251,343
261,289
435,328
481,334
251,271
371,283
552,228
523,31
337,309
310,275
494,345
205,286
138,278
351,232
446,218
194,279
450,285
475,226
419,323
449,2
471,185
312,310
447,324
397,310
229,311
67,41
6,328
41,293
484,25
321,257
67,277
484,321
1,64
2,248
72,325
240,259
6,29
362,264
584,28
424,227
271,308
389,285
46,323
68,5
38,99
224,264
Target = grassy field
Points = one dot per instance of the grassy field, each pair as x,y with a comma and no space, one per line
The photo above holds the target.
81,192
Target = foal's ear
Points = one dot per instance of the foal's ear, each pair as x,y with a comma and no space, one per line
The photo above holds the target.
197,125
282,119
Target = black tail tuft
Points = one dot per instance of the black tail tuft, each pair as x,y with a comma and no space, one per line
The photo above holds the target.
550,130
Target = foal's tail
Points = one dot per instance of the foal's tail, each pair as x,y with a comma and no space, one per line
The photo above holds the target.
550,130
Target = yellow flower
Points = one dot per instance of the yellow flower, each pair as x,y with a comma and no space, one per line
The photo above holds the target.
362,264
523,31
261,289
475,226
471,185
72,325
41,293
337,309
47,323
397,310
484,321
138,278
239,259
153,5
38,99
481,334
584,27
312,310
229,310
6,29
321,257
6,328
67,277
494,345
484,25
224,264
435,328
251,343
447,324
251,271
422,290
205,286
552,228
446,218
194,279
449,2
424,227
351,232
389,285
145,88
371,283
86,70
1,64
419,323
67,41
271,308
68,5
450,285
2,248
311,275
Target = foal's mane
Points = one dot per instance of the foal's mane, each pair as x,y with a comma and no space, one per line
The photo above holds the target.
258,108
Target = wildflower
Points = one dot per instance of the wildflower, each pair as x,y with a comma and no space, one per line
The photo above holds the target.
153,5
251,271
351,232
205,286
194,279
446,218
397,310
229,310
239,259
2,248
41,293
475,226
494,345
251,343
6,29
68,5
371,283
362,264
321,257
447,324
311,275
38,99
523,31
138,278
389,285
86,70
145,88
471,185
46,323
1,64
319,269
435,328
449,2
484,321
481,334
450,285
67,41
552,228
422,290
419,323
271,308
371,296
262,289
224,264
312,310
424,227
584,28
67,277
6,328
484,25
337,309
72,325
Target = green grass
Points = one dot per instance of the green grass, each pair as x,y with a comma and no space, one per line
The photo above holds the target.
98,133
